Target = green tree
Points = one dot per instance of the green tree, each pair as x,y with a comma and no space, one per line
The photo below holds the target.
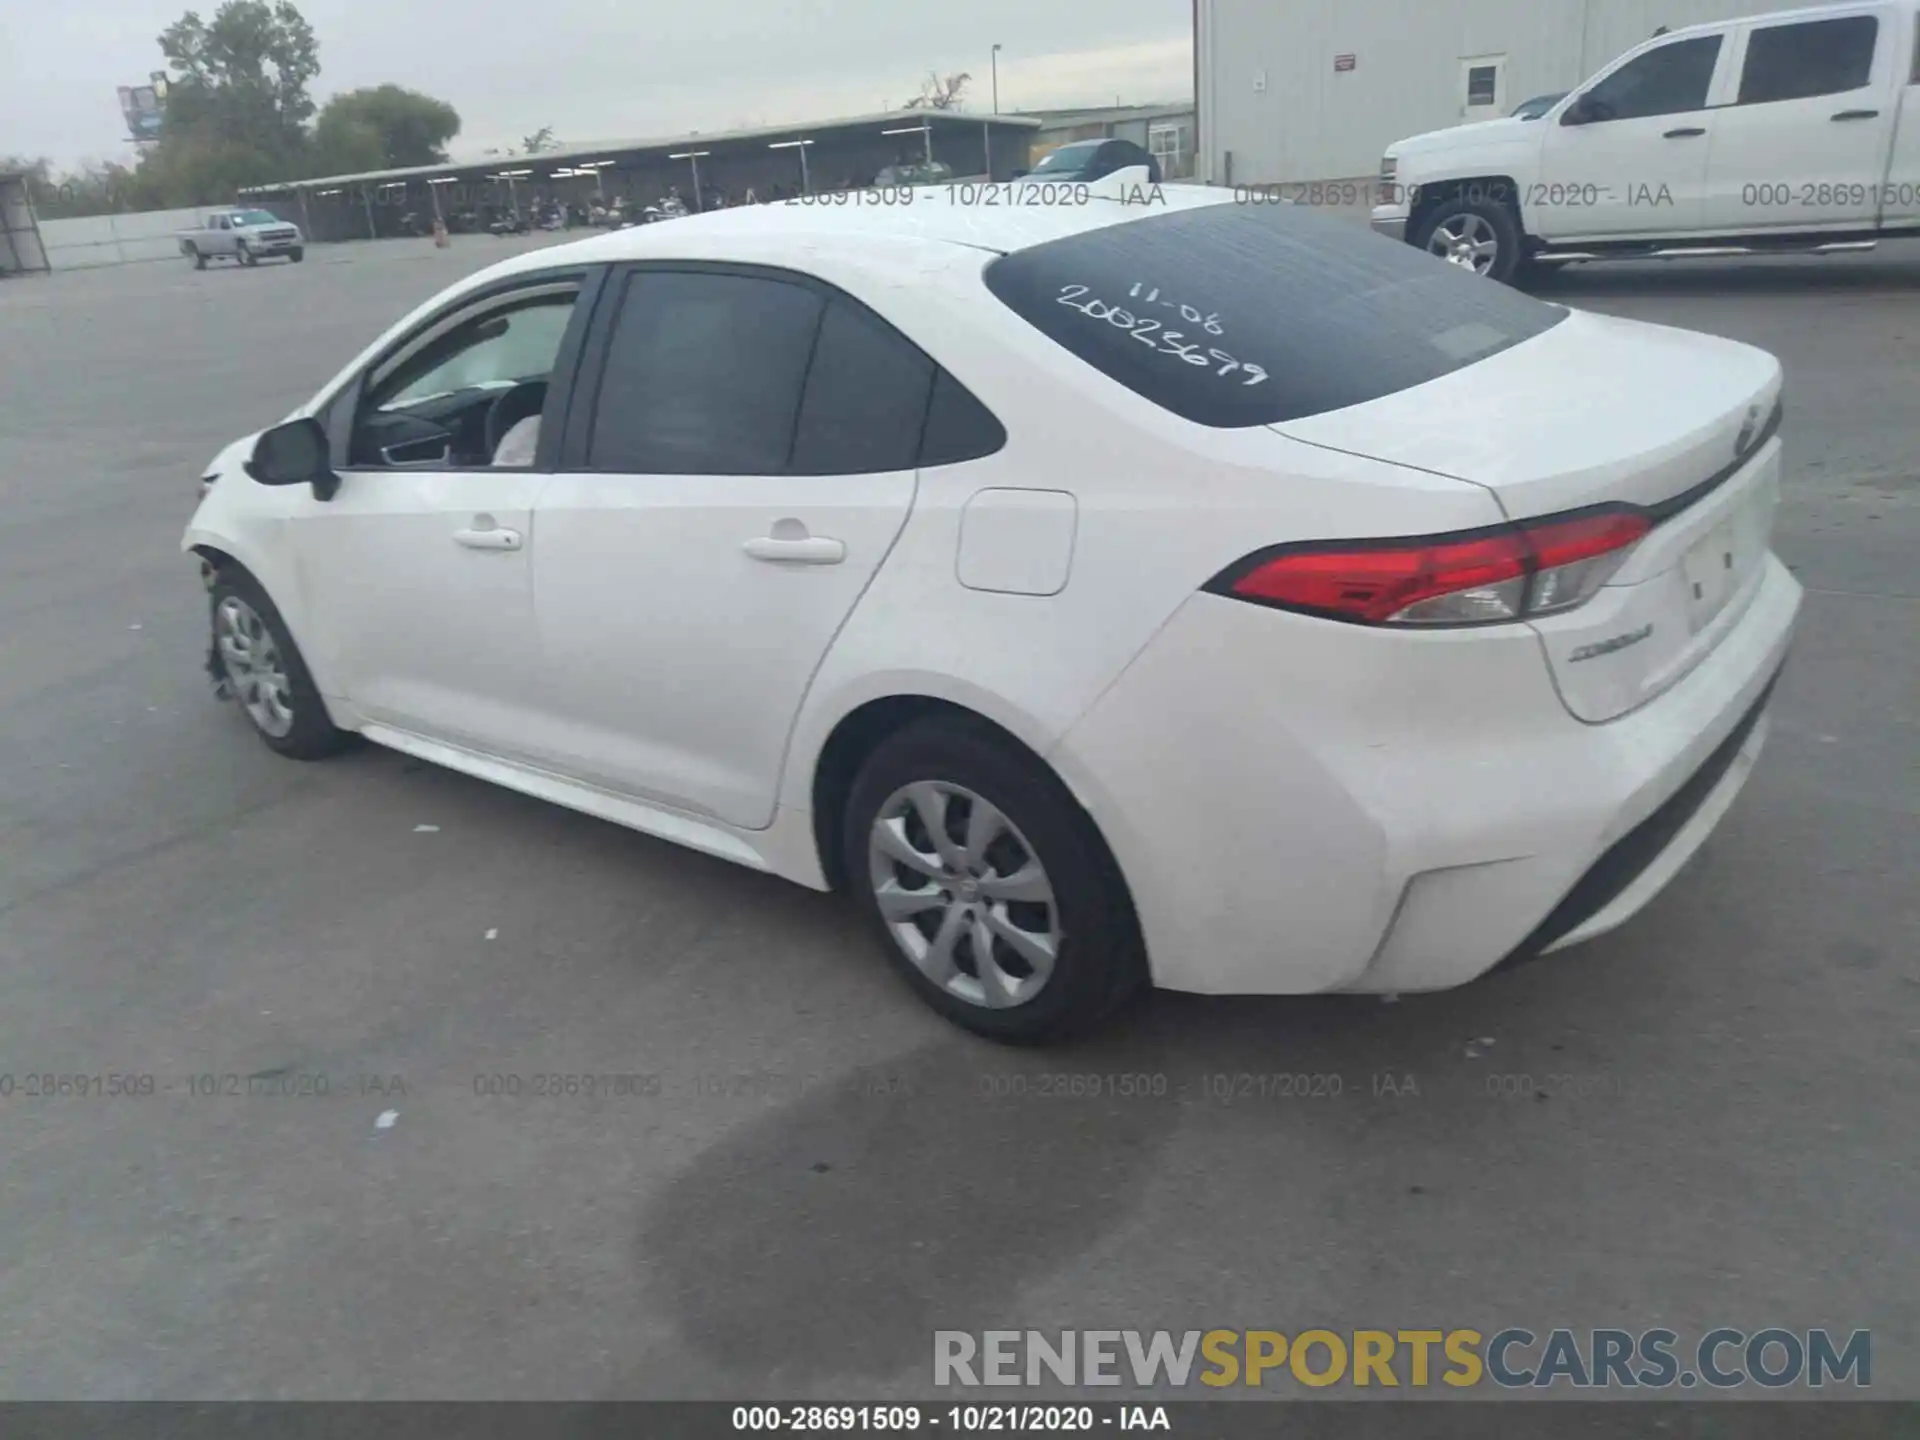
541,139
92,189
382,128
242,78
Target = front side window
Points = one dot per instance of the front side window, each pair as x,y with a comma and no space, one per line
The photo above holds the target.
470,392
1815,57
1670,80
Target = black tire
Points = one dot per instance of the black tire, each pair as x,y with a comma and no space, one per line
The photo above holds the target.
246,256
297,255
1491,212
199,260
1099,960
312,735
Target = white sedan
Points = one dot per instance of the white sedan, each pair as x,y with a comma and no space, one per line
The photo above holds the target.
1138,588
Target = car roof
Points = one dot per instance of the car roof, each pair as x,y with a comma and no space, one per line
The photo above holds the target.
1771,17
957,214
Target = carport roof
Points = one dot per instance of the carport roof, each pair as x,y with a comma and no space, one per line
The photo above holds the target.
615,149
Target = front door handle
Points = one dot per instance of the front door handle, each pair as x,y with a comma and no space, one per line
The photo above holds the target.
803,550
1684,133
487,539
1856,115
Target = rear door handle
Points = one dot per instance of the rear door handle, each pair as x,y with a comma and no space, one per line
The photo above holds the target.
1856,114
806,550
487,539
1685,133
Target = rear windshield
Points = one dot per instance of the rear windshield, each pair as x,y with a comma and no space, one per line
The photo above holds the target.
1235,315
1068,157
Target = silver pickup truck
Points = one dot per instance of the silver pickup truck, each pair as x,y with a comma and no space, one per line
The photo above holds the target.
248,236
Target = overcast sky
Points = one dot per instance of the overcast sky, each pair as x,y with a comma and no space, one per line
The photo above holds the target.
612,69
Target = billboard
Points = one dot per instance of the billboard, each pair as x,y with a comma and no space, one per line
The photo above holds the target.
142,105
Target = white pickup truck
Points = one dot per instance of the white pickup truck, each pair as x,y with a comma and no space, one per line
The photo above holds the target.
1790,133
248,236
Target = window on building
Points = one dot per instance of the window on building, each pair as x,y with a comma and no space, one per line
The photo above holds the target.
1483,84
1168,145
1815,57
1670,80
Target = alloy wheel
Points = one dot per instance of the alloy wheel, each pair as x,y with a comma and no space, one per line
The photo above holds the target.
1466,240
252,660
963,894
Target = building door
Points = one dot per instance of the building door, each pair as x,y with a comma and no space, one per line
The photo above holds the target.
1483,87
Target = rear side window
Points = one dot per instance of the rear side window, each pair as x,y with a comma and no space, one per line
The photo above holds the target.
703,375
1239,315
711,372
959,427
866,398
1817,57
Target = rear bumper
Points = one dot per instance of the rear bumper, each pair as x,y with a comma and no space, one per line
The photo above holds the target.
1300,807
1636,867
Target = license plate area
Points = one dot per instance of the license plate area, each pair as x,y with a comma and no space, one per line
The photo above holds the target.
1709,569
1717,565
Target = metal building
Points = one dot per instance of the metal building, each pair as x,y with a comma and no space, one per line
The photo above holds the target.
21,252
1303,90
770,161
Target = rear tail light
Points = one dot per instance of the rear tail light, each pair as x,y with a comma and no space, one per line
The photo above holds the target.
1475,577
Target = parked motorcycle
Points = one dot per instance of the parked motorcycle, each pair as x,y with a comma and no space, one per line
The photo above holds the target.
512,223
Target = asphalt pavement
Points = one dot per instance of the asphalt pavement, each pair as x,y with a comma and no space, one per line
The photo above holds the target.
1707,1119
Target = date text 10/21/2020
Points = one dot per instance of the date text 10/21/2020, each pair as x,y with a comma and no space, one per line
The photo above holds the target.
1152,333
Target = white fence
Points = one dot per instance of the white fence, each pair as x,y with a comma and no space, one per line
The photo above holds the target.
115,239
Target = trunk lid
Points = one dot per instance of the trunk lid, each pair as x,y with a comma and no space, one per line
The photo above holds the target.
1599,411
1595,409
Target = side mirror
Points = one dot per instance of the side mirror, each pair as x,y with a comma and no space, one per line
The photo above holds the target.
294,454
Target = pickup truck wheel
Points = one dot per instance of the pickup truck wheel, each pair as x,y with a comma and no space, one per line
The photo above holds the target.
297,254
193,254
1476,234
244,255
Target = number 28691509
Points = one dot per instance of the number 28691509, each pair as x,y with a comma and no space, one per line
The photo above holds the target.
1153,333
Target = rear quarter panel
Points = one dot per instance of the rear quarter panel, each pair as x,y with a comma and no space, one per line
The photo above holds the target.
1162,506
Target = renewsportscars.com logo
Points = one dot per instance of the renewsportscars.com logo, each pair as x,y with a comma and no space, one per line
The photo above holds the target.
1513,1358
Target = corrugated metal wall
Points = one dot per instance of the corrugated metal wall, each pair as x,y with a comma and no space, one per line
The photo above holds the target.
1270,96
21,249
